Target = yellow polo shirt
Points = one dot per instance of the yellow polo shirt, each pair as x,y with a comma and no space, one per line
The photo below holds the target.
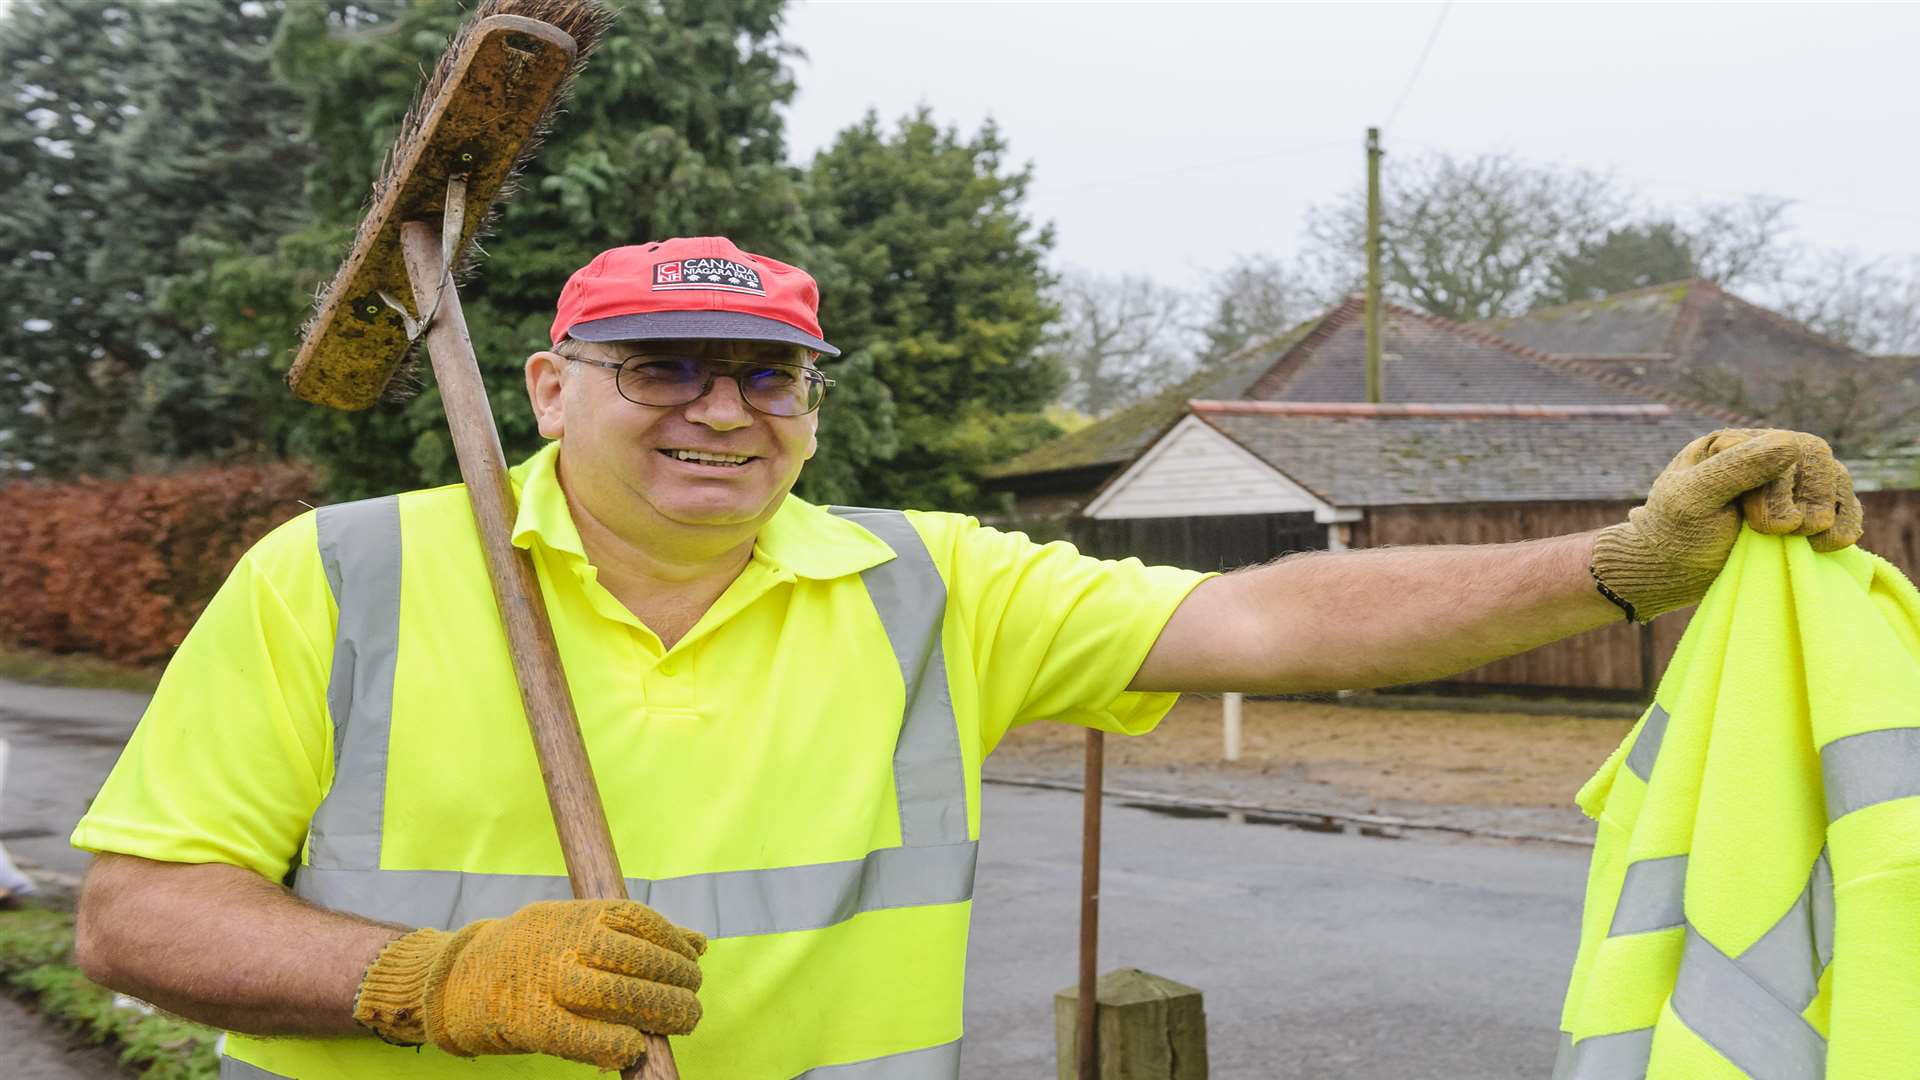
763,738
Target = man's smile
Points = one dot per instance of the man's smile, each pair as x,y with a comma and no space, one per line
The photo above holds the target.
709,459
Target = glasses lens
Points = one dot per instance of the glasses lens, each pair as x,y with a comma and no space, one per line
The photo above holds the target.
774,389
662,380
779,391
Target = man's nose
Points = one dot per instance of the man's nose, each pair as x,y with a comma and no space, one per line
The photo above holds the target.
722,408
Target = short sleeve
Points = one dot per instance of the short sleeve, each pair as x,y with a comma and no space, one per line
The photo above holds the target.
1053,634
233,753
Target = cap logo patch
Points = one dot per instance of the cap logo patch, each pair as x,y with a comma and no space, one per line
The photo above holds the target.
723,275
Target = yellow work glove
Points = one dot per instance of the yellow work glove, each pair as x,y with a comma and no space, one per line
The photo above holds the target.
1667,552
577,979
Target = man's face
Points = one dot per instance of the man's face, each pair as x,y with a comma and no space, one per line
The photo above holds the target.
626,461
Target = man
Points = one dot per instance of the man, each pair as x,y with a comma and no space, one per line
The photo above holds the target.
786,708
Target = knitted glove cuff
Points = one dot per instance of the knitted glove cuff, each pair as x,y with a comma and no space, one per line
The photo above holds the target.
1640,580
391,1002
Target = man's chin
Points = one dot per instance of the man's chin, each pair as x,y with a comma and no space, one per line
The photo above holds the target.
712,509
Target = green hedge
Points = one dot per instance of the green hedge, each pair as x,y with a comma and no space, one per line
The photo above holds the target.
36,965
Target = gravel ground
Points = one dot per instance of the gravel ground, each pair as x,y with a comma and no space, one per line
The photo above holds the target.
1504,772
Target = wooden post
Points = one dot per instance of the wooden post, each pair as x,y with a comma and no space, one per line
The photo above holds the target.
1085,1037
1373,265
1230,724
1150,1029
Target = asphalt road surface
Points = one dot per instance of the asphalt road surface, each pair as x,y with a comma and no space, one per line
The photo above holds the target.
1321,955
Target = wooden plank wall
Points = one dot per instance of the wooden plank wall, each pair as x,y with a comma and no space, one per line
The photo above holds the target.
1608,659
1199,543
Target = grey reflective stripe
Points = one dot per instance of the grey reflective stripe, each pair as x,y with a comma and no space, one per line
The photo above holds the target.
736,903
1788,959
1646,748
235,1069
1871,767
1622,1056
911,597
1758,1034
1820,884
934,1063
360,550
1652,897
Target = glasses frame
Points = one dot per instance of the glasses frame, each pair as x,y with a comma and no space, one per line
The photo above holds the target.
808,374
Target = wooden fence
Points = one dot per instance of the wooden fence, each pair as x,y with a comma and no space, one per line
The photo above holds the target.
1199,543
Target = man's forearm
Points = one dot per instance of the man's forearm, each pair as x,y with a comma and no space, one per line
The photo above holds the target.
1382,617
220,945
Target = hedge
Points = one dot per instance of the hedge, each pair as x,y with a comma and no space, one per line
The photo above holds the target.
120,569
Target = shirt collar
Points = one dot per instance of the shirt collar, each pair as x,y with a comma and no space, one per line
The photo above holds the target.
801,539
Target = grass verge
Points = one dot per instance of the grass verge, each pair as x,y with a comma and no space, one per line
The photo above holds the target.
88,672
36,966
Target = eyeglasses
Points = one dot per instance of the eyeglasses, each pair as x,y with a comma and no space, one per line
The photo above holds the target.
666,381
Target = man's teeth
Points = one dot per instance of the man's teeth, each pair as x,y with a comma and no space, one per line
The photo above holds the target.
710,459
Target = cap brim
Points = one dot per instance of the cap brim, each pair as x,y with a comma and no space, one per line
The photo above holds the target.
723,325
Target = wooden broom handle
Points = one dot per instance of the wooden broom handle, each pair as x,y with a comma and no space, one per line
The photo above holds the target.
585,840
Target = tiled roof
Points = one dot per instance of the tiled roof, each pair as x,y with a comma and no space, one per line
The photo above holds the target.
1386,456
1425,359
1690,337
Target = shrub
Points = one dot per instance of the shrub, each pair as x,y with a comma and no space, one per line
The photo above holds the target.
120,569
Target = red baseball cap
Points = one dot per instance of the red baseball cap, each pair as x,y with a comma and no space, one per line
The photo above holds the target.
690,287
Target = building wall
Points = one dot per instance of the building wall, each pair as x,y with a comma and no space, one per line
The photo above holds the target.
1611,658
1194,471
1224,542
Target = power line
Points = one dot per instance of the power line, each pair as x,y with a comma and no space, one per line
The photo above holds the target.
1419,65
1185,169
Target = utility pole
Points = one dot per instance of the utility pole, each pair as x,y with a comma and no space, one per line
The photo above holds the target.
1373,265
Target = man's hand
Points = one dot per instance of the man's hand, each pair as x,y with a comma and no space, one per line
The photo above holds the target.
577,979
1667,552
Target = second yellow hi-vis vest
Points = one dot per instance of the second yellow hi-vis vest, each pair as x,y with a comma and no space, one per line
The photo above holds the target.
1753,907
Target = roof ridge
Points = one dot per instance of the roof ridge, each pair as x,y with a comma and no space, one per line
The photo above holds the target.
1417,409
1605,378
1296,357
1787,323
1687,283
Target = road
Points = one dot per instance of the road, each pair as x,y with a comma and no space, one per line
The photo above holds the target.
1321,954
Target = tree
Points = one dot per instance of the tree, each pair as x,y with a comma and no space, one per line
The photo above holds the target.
1629,257
1475,238
1119,339
1871,304
1254,299
932,281
673,129
124,149
1462,238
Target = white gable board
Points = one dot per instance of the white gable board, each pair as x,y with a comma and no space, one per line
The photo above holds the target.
1194,471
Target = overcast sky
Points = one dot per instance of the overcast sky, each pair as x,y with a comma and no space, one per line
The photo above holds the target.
1140,118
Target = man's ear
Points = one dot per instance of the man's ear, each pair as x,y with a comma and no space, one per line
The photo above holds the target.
546,386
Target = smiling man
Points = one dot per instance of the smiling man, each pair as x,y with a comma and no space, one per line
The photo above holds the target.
329,836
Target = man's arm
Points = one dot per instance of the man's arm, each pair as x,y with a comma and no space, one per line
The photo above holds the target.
1358,619
221,945
1399,615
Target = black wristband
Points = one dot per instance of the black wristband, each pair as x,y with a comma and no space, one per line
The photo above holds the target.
1618,600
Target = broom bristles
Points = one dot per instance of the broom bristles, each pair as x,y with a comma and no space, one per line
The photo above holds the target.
586,21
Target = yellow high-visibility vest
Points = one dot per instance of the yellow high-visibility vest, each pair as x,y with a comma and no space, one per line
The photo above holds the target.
1753,907
797,778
